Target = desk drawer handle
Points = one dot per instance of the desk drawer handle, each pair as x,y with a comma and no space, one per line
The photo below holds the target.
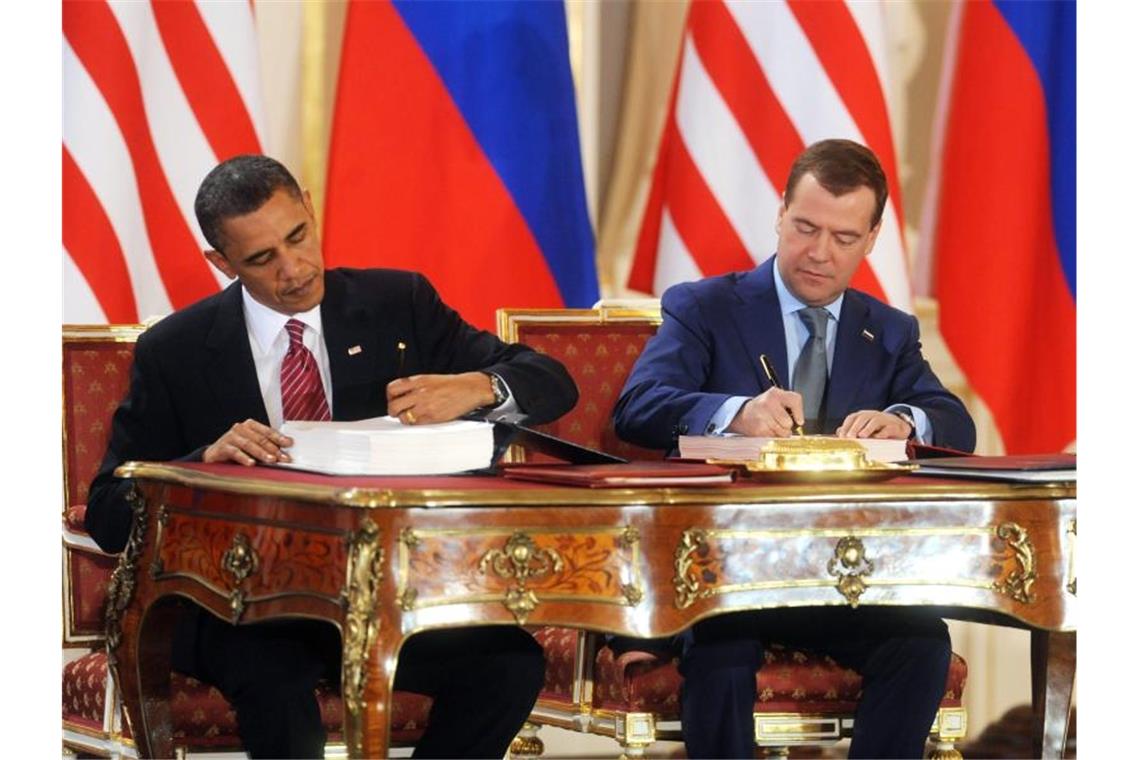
521,559
850,565
240,561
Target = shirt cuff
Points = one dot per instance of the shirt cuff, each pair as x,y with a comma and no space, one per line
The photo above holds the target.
923,433
724,416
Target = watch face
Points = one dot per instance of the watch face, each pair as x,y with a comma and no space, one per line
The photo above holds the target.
499,389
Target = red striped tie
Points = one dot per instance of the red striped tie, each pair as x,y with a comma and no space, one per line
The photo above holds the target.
302,395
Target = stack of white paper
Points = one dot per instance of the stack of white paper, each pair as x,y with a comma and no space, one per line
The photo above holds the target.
384,446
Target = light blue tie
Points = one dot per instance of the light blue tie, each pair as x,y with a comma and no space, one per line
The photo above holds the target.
810,376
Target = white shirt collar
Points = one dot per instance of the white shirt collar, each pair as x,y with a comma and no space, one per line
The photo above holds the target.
265,324
789,304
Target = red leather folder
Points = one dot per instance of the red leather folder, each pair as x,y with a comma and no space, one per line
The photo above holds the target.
621,475
1023,468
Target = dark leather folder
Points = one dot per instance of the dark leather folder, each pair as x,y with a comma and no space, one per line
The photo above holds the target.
510,430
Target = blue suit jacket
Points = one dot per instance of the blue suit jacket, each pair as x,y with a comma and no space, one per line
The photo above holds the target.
708,349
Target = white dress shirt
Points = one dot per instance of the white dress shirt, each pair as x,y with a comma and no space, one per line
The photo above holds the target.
269,342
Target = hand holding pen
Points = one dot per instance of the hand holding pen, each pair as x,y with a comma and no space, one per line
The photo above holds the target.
796,412
775,412
426,399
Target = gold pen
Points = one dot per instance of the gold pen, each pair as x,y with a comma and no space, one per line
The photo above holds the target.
401,349
774,380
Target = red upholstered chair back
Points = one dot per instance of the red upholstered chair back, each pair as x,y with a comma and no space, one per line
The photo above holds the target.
96,372
598,348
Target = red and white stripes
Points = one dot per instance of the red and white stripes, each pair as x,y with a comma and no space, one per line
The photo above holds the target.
155,95
302,394
756,83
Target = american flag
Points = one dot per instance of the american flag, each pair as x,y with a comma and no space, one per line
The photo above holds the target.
757,82
155,95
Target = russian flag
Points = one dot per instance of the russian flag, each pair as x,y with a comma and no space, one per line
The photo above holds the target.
1004,239
454,152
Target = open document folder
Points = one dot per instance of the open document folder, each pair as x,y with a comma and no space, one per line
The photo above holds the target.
384,446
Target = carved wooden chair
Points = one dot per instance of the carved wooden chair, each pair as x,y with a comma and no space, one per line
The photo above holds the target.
805,699
96,361
96,366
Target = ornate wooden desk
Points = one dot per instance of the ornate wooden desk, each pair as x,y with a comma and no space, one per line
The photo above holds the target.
382,558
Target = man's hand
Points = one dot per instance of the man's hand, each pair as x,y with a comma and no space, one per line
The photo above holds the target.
422,399
871,424
248,443
773,413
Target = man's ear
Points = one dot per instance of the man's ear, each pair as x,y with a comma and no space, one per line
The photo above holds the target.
221,263
872,237
781,209
307,201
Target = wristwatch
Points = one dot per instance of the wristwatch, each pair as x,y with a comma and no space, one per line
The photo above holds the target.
906,417
499,388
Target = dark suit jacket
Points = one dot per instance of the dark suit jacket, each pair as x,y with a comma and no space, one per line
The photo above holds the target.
193,374
708,349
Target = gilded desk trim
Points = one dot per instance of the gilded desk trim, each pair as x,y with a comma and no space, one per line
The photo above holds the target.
1016,583
365,573
1071,572
121,590
372,498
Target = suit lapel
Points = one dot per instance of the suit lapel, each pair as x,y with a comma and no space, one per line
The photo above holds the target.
230,371
854,356
353,344
757,320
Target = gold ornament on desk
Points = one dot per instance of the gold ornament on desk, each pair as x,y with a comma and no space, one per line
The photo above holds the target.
815,459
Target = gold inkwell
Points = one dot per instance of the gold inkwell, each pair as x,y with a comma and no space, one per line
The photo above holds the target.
814,459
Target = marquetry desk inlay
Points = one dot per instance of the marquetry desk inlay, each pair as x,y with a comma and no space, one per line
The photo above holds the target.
383,558
519,567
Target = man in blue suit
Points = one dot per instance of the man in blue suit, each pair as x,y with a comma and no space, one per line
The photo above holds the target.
856,370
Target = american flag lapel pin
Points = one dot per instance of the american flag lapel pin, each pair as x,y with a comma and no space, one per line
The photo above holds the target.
868,336
354,350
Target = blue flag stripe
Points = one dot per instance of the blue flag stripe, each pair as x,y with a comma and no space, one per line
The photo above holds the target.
1048,32
507,67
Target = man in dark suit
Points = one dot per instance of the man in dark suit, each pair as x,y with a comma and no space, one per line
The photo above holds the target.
213,383
857,371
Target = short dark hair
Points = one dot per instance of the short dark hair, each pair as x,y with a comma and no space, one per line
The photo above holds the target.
238,186
840,166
